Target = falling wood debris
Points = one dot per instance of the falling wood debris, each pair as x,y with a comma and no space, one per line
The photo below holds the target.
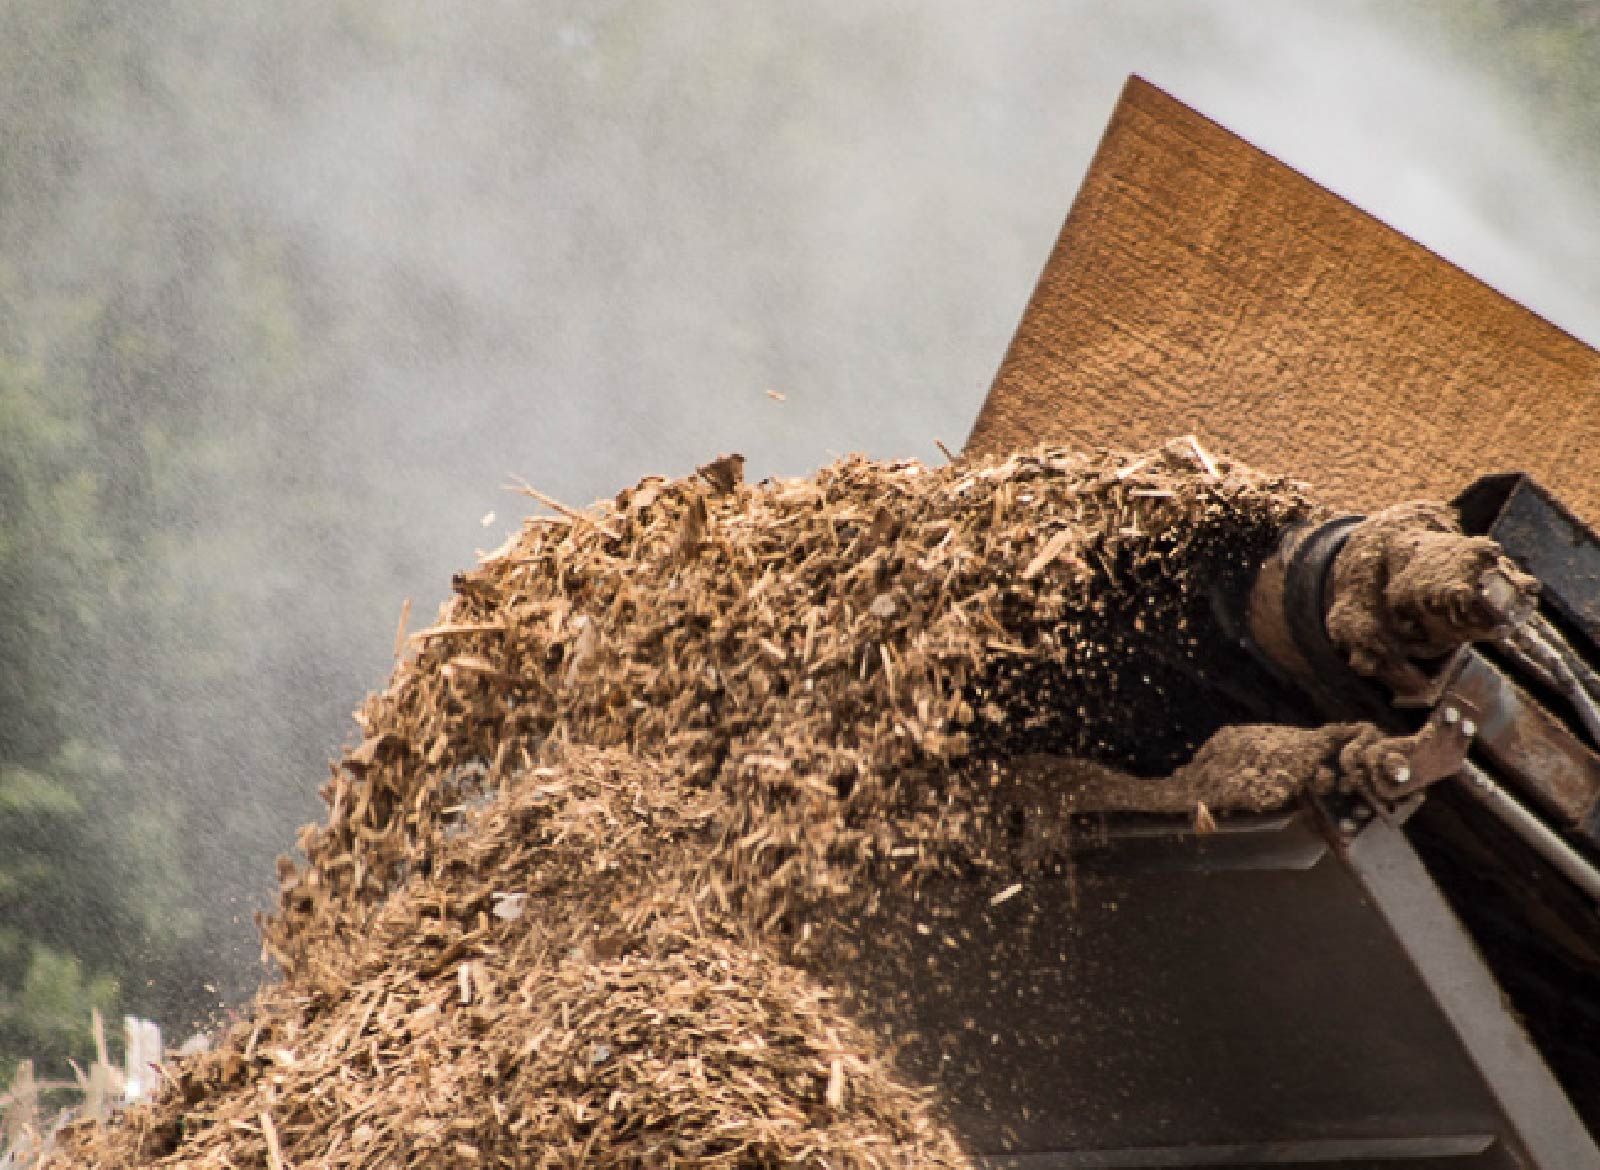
570,903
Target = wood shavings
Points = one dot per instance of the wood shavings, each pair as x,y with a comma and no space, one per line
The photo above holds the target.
620,795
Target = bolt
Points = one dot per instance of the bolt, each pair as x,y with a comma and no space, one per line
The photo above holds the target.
1400,772
1469,728
1451,716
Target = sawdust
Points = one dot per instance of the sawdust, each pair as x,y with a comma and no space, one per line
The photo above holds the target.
1243,768
569,902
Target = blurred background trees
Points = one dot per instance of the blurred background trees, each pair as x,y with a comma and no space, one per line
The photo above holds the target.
1546,52
286,292
149,386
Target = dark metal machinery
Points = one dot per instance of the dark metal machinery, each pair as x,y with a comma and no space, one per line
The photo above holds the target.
1407,975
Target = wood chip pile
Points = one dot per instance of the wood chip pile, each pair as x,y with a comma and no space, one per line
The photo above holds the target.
648,758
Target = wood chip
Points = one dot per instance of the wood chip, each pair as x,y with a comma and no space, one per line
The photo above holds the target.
1006,894
400,629
724,473
835,1092
275,1159
1203,456
457,629
1052,549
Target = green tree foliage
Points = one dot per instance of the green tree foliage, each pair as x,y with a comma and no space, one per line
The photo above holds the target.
99,450
76,892
173,476
1545,52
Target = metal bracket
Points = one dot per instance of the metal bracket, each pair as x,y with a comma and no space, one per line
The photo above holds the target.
1438,749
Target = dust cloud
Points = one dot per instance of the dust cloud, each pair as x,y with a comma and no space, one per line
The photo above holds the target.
582,242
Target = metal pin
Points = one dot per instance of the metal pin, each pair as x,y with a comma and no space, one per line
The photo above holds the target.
1400,773
1544,840
1451,716
1469,728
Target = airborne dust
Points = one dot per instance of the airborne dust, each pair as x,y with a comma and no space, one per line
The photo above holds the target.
585,242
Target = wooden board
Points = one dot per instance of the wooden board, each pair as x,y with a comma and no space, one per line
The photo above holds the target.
1200,285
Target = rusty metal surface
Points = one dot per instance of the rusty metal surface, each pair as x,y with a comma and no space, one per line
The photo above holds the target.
1199,285
1436,752
1527,745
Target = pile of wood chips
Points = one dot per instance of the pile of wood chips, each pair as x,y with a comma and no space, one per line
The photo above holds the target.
651,754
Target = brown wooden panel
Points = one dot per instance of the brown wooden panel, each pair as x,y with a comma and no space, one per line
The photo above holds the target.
1200,285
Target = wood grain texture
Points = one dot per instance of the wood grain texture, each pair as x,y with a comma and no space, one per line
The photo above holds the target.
1200,285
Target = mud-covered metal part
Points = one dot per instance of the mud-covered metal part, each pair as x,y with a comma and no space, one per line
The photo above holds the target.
1409,587
1437,751
1511,717
1468,703
1547,540
1258,1017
